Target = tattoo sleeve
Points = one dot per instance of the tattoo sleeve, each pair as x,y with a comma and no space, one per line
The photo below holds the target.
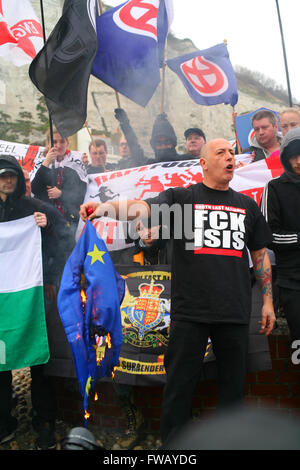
263,271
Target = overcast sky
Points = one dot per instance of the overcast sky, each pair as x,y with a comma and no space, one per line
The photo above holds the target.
251,29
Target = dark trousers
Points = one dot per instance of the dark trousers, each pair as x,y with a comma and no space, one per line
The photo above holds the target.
289,299
183,363
42,395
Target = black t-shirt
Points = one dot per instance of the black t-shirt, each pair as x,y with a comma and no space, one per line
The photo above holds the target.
210,271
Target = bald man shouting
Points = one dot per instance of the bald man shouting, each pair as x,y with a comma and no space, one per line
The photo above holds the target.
212,226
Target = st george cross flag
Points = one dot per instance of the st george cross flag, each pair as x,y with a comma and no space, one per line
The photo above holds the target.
21,34
131,39
104,290
207,75
244,128
23,334
62,69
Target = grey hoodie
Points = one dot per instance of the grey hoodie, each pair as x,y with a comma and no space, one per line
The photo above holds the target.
290,146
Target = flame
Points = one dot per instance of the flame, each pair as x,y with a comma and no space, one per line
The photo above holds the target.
83,296
86,415
108,340
96,396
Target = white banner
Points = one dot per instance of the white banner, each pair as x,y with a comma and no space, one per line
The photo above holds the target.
148,181
145,182
31,157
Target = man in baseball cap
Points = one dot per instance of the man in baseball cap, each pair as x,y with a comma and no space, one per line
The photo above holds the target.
195,139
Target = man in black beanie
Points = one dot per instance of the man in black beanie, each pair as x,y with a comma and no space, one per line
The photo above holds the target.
163,141
280,205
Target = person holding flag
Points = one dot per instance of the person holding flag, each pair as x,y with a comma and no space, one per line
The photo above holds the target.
60,178
25,336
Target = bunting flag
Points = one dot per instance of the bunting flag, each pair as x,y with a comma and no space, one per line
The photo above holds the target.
21,34
62,69
134,70
23,333
244,129
89,306
207,75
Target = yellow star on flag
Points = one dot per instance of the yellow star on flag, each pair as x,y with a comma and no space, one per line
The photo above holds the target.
96,255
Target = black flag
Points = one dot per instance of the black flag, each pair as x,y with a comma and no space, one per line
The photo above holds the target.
62,68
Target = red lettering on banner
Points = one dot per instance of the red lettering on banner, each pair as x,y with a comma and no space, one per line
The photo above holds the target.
110,232
23,31
197,72
254,193
111,225
28,161
143,21
99,226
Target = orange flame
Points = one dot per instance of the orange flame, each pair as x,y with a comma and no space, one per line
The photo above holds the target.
83,296
96,396
86,415
108,340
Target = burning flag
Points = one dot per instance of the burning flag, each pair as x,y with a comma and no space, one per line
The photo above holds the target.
91,312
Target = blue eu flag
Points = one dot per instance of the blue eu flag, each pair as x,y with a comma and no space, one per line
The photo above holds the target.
86,323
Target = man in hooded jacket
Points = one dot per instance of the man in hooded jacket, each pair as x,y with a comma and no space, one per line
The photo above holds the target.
163,142
280,205
15,205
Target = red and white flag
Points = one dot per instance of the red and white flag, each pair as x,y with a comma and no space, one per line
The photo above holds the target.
21,34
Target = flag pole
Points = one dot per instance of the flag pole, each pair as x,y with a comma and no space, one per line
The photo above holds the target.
93,143
116,93
44,36
234,114
284,56
163,81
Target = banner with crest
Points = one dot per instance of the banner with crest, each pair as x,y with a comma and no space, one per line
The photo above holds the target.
145,313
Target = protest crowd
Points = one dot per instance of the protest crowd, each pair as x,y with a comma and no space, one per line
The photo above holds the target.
238,244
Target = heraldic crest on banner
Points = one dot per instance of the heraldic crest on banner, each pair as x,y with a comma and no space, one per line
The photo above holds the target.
146,318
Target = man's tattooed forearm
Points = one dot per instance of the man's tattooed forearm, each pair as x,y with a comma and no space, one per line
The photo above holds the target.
263,275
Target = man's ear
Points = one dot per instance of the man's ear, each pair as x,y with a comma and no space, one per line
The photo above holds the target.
203,163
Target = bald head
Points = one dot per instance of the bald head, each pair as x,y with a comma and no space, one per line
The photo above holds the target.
217,162
209,148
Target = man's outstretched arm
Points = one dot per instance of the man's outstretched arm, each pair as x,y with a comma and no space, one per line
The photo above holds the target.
263,273
119,210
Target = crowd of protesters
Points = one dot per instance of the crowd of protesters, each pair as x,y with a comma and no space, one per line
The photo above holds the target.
54,196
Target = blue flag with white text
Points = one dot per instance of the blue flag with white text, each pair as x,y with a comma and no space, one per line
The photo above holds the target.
131,40
89,299
207,75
